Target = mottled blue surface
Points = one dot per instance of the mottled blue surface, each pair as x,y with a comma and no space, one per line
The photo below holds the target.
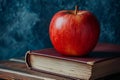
24,23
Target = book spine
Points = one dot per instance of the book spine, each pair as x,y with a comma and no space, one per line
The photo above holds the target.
27,59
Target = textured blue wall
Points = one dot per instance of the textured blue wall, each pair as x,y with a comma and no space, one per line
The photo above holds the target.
24,23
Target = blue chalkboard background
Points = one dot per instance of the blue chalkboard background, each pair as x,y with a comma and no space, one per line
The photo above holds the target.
24,23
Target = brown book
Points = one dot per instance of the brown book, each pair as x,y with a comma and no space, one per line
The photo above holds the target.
97,64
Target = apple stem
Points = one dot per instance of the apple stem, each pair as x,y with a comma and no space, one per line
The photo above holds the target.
76,9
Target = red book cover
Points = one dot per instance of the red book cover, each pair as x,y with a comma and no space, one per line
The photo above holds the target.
101,53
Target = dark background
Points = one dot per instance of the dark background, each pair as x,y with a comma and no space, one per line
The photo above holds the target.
24,24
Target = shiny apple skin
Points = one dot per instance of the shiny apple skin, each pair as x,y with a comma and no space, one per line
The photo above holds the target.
74,34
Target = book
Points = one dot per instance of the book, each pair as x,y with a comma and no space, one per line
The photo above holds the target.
15,69
97,64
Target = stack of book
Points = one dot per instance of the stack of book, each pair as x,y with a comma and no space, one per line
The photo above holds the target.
103,61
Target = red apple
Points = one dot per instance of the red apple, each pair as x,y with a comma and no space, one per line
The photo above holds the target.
74,32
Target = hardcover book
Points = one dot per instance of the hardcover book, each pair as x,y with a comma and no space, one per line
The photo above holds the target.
96,64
